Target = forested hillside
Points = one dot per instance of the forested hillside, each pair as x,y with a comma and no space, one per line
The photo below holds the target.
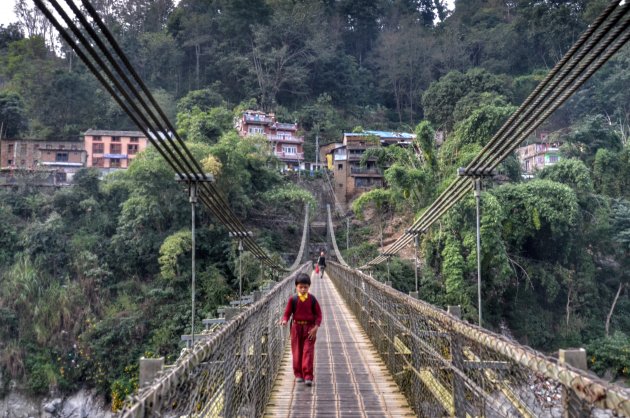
99,272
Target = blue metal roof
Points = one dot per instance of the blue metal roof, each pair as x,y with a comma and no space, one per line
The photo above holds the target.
383,134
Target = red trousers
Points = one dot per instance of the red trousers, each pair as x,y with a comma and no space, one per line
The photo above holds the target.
303,351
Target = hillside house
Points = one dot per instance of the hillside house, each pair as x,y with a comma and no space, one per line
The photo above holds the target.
112,150
283,138
54,161
536,156
344,160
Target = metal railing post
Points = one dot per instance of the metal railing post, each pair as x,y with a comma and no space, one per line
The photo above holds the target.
457,358
572,406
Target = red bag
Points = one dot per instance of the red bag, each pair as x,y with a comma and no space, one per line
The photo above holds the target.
316,268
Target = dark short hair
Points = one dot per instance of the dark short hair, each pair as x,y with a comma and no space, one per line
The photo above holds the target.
302,278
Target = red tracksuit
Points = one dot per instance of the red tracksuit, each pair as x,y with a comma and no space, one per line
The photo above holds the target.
302,348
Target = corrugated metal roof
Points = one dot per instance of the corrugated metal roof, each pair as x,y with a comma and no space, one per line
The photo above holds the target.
383,134
113,133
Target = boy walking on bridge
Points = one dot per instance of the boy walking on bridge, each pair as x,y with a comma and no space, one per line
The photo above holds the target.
307,317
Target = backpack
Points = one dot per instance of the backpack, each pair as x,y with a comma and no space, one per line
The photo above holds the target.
294,301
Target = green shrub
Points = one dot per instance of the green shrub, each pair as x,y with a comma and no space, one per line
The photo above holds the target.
610,355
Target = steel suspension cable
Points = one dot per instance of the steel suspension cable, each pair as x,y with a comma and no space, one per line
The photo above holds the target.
621,39
554,99
561,69
222,205
545,99
179,163
134,113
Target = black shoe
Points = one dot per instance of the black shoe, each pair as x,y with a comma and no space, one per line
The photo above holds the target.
308,383
299,380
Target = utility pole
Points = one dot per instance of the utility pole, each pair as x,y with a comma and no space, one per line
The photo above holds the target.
347,233
478,198
476,182
317,147
240,236
193,181
415,256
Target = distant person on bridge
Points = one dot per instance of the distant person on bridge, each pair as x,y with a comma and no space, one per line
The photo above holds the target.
307,317
321,264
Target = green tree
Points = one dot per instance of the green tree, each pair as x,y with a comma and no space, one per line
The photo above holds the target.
284,51
12,115
441,98
588,136
205,126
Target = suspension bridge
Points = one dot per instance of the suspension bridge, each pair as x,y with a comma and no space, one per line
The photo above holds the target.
379,352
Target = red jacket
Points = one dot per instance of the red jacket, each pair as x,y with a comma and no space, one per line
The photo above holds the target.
303,311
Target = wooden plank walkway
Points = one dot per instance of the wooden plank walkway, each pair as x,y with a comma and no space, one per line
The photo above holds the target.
350,378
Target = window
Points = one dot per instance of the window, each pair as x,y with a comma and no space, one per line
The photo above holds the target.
61,177
96,138
10,148
48,146
554,158
256,130
115,139
98,148
36,146
114,149
22,162
289,149
61,157
73,147
23,148
132,149
361,182
339,166
133,139
9,162
98,162
114,162
62,146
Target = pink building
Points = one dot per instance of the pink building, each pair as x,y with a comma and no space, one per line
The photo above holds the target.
113,150
534,157
283,137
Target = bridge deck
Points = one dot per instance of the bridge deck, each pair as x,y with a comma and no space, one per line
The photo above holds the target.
350,379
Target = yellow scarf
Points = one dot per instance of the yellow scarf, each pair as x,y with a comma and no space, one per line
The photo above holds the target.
303,298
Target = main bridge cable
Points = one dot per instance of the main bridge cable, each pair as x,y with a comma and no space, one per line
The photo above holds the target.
210,189
454,193
213,194
559,99
172,160
331,229
217,205
219,212
552,101
593,34
618,43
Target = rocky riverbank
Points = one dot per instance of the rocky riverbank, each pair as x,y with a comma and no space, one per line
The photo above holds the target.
83,404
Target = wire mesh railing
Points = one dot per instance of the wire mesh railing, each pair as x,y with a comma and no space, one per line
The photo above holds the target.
447,367
229,374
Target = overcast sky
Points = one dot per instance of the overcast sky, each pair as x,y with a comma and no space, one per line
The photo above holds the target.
6,12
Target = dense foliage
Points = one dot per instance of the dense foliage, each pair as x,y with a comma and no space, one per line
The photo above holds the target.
96,275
